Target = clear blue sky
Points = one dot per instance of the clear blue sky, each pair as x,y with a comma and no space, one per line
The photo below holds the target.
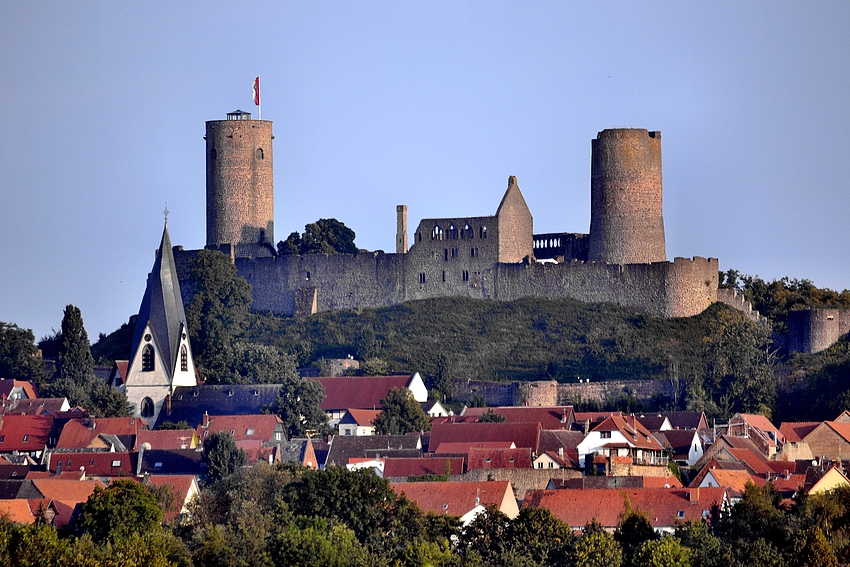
429,104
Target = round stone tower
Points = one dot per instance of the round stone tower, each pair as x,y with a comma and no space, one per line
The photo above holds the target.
626,223
240,184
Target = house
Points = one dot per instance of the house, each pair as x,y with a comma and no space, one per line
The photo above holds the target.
184,487
66,495
358,422
685,419
345,448
655,422
191,403
735,480
101,434
11,389
34,406
26,434
618,438
685,443
22,511
433,408
731,448
763,433
248,431
524,435
96,464
462,499
514,458
556,460
169,462
552,417
795,447
665,508
823,479
365,392
829,440
299,451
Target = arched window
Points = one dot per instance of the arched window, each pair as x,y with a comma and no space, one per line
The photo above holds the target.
259,153
468,232
184,359
147,359
453,232
483,231
437,233
147,407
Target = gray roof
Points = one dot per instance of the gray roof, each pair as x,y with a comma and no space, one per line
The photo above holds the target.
171,461
293,451
344,447
189,403
162,305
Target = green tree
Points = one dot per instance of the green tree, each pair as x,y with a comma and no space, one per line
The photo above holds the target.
218,312
706,549
811,549
666,552
221,456
490,416
400,414
488,534
124,508
597,548
325,236
19,358
297,405
633,530
313,542
76,364
536,533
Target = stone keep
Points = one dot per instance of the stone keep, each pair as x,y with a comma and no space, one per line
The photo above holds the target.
240,184
626,222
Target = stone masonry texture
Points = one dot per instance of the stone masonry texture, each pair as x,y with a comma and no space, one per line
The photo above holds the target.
626,222
240,184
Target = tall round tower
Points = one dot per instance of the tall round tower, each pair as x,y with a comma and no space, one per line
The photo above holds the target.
626,222
240,184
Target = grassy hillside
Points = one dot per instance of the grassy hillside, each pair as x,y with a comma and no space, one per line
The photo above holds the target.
525,339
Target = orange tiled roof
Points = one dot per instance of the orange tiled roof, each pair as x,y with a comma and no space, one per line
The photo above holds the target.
554,417
522,434
404,467
167,439
796,431
361,392
79,433
24,433
453,498
18,510
664,507
519,458
259,427
362,417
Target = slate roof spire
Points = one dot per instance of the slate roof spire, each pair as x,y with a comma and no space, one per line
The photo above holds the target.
162,305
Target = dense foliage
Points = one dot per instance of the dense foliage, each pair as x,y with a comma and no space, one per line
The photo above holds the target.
325,236
400,414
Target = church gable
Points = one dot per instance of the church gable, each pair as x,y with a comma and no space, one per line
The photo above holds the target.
148,368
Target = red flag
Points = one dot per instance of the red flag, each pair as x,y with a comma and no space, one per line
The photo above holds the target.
257,91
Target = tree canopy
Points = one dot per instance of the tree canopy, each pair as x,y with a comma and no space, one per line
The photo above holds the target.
221,456
325,236
18,354
400,414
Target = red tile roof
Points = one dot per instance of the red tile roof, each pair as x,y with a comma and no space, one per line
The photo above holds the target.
522,434
361,417
632,429
519,458
463,448
79,433
796,431
7,385
753,461
454,498
17,510
364,392
664,507
403,467
24,433
95,463
67,490
34,406
260,428
181,485
556,417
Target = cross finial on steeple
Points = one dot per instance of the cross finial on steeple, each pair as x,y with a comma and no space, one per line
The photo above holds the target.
165,212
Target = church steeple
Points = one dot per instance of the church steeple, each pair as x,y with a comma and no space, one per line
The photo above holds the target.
161,356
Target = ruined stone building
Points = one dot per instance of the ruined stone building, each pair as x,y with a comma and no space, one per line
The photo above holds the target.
622,259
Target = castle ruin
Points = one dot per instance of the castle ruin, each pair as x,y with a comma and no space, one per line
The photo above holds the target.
622,260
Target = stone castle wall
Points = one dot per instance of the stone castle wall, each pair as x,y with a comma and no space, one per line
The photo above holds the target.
814,330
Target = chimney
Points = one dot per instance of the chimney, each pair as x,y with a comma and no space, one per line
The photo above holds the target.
693,495
401,229
168,404
564,415
206,421
561,452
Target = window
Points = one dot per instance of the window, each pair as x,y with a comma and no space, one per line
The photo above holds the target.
277,436
454,252
445,254
551,465
453,232
308,276
2,438
147,359
184,359
605,434
421,277
91,462
259,153
465,275
483,232
147,408
444,275
680,514
69,463
115,463
437,233
249,432
467,231
26,438
473,252
540,465
157,465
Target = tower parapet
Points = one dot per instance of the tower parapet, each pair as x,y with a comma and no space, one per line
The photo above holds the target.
626,222
240,183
